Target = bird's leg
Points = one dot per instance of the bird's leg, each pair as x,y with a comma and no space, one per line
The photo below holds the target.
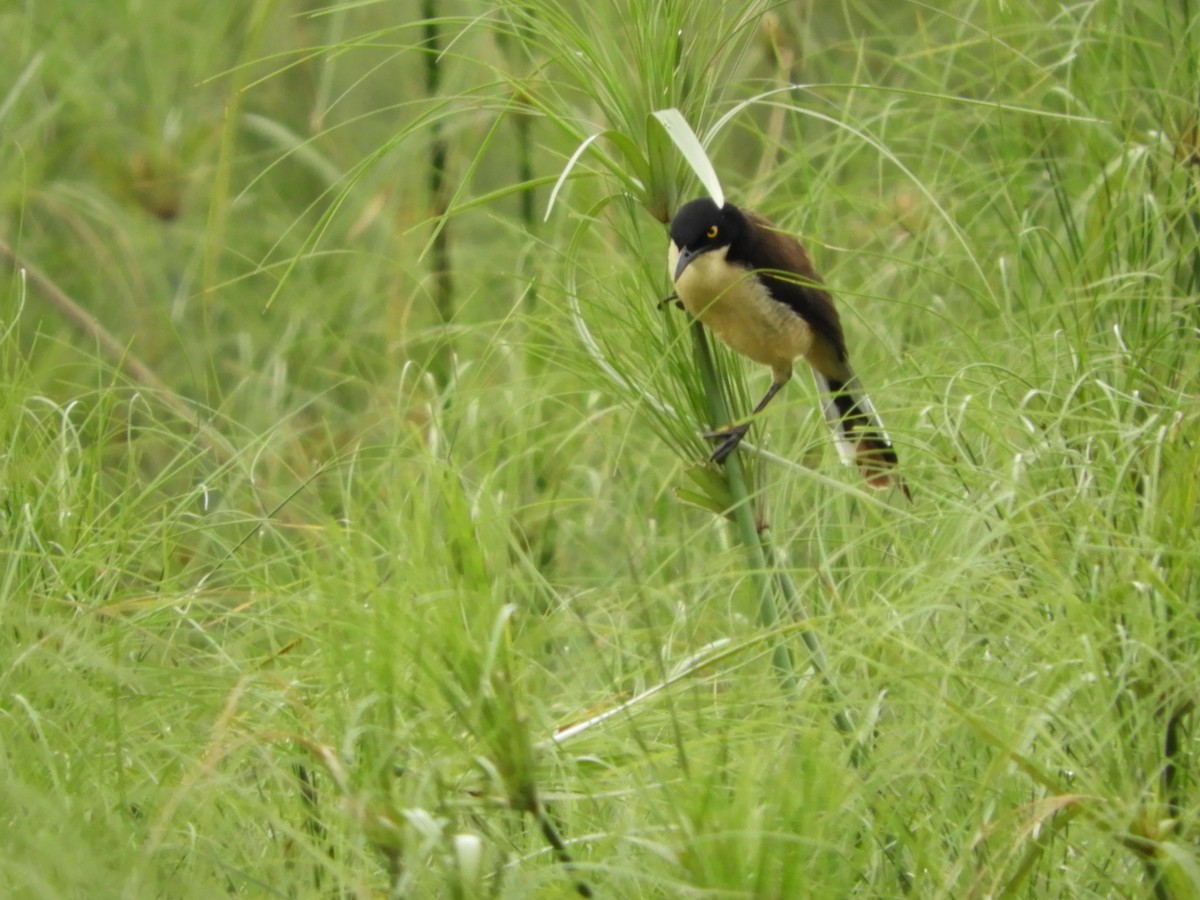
733,436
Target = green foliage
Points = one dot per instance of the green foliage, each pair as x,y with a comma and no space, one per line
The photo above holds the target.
335,583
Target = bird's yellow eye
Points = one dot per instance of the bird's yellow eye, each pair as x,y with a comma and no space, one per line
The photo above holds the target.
712,232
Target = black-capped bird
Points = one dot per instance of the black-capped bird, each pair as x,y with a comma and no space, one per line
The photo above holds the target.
755,287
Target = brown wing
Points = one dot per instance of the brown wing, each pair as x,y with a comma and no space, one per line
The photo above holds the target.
859,435
797,285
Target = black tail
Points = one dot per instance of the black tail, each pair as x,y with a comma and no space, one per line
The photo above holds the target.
860,439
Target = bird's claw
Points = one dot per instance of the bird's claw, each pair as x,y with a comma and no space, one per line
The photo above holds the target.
729,442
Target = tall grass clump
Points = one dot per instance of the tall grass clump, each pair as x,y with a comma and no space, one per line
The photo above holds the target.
359,532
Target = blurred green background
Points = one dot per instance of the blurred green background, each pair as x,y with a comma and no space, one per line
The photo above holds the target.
340,470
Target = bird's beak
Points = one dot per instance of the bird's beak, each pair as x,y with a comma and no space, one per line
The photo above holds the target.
685,259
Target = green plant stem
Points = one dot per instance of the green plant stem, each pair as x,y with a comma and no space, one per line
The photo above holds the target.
439,151
820,663
742,509
763,559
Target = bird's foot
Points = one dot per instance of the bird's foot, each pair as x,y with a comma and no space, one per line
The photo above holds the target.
729,441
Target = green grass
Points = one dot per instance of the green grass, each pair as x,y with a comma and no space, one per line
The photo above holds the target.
300,586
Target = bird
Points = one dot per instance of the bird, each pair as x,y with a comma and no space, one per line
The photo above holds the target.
755,288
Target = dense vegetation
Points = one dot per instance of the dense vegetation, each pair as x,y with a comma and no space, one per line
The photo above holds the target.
357,533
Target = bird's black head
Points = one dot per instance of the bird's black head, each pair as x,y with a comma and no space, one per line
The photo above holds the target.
701,226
